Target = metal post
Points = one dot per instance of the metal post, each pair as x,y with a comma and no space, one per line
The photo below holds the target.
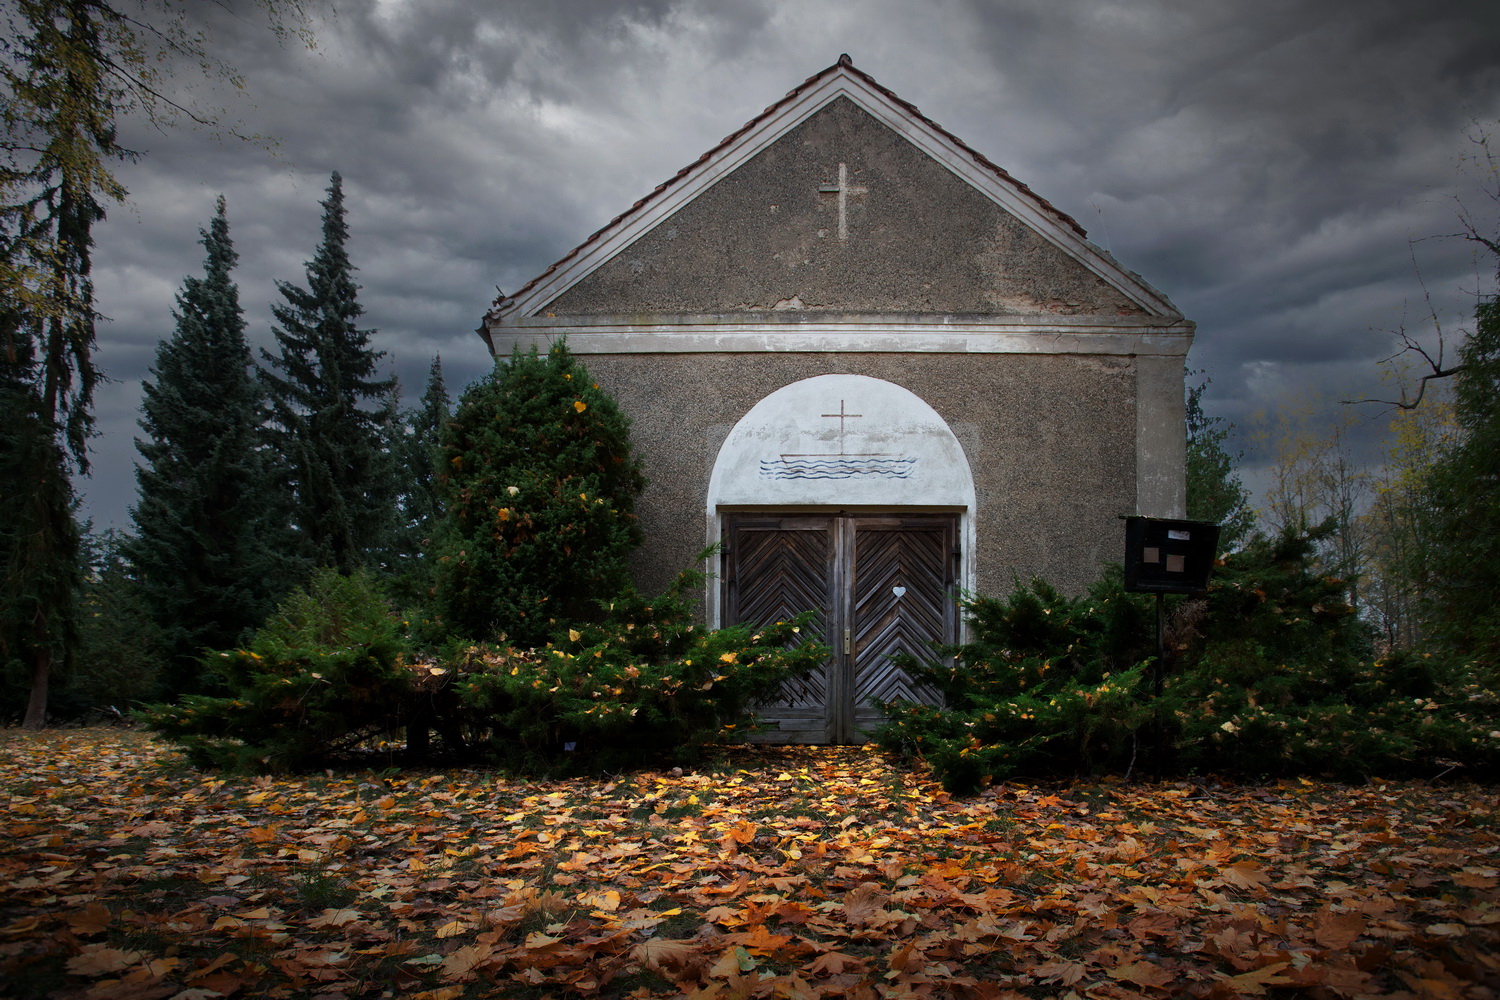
1158,680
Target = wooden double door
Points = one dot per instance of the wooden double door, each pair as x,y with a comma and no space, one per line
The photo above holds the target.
881,585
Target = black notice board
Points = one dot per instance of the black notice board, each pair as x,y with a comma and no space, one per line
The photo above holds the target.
1165,556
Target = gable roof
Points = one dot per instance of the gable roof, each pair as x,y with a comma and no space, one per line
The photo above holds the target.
844,79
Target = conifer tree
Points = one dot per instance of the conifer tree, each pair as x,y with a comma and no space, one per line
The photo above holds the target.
1214,490
118,661
539,482
331,409
58,109
1466,500
202,550
72,68
418,507
39,539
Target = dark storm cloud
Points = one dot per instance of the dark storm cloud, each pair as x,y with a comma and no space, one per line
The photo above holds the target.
1263,164
1266,166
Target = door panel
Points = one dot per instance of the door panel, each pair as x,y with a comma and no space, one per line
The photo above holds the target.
901,602
881,585
774,568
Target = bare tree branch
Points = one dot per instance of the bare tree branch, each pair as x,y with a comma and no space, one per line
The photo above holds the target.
1486,160
1411,345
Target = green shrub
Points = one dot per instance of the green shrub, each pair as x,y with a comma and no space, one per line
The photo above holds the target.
328,671
1270,672
1048,685
644,681
332,671
539,484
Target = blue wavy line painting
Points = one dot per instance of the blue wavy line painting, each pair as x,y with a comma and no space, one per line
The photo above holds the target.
836,468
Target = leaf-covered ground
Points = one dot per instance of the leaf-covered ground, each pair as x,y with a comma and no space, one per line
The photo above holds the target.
812,872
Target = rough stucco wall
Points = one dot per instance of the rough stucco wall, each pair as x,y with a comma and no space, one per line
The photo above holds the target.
1161,444
920,240
1050,439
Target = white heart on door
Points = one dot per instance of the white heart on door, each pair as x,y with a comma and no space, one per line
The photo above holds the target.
899,591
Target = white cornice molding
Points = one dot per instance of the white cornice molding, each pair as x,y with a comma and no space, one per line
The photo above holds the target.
913,338
731,156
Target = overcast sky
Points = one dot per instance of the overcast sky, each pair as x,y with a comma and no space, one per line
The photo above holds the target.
1266,164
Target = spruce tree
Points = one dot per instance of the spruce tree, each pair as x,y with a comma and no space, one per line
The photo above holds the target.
203,549
118,663
331,409
418,507
72,70
539,483
1214,490
1465,491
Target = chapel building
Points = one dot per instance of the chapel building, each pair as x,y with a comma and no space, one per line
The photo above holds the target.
876,368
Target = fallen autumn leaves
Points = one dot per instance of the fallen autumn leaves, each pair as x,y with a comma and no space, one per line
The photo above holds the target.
809,872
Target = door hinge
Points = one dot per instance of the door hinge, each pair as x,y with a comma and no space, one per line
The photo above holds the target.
848,642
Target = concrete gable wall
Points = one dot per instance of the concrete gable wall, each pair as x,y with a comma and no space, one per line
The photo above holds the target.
915,239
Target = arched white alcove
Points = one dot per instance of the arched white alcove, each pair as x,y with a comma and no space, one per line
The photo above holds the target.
842,442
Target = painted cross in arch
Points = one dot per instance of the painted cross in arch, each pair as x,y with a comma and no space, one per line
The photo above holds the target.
843,189
842,416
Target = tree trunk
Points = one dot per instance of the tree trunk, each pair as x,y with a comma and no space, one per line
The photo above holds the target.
36,707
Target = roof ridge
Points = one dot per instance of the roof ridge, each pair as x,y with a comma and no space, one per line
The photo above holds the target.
844,62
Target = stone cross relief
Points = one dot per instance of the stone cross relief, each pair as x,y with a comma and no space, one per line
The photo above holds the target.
843,189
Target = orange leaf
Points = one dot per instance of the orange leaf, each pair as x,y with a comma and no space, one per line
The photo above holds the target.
1337,931
742,832
1475,880
760,941
23,926
1142,974
907,959
99,961
1250,983
1244,875
865,904
92,919
1060,971
835,963
607,901
659,953
334,918
462,962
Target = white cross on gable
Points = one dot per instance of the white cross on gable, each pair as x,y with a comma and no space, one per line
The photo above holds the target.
843,189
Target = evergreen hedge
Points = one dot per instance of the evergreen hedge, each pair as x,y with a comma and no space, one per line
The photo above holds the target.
332,677
1270,673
